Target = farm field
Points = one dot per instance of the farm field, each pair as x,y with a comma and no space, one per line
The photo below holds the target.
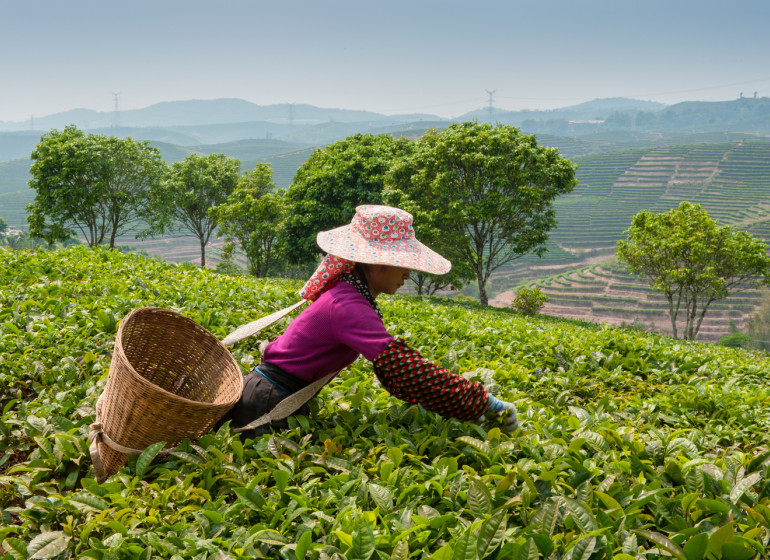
728,174
730,180
606,293
632,445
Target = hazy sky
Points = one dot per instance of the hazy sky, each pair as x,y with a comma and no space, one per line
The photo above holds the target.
389,56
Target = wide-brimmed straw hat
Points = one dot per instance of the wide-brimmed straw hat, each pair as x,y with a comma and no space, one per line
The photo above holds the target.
382,235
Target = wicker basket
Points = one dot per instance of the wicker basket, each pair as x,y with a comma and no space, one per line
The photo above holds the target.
169,379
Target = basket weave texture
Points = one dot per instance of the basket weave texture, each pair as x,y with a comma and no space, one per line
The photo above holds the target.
169,379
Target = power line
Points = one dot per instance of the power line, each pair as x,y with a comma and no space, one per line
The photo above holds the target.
116,112
491,104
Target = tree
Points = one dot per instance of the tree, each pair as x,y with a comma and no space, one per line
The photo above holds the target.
331,183
193,186
93,184
693,261
130,170
429,229
3,227
251,216
492,187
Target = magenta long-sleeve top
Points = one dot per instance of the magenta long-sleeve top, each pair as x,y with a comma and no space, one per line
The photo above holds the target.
329,335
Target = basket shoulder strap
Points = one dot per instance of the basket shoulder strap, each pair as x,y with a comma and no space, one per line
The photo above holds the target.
289,405
255,326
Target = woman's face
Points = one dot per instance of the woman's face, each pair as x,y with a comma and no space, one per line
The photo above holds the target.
385,279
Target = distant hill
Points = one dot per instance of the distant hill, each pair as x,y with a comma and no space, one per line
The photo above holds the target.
598,109
204,112
749,115
744,114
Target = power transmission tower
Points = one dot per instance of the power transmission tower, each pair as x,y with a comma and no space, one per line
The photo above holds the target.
491,108
116,111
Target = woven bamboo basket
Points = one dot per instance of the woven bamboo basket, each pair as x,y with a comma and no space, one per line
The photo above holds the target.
169,379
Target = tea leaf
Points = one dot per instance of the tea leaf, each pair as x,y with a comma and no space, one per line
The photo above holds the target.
48,545
382,496
17,548
663,542
250,498
147,457
362,546
741,487
400,551
465,547
695,547
491,534
479,498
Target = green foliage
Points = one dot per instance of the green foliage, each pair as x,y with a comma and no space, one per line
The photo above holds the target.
226,264
632,444
430,228
491,187
96,185
529,301
690,259
192,188
331,183
251,216
736,340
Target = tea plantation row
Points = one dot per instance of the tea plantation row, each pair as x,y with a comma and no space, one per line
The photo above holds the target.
632,445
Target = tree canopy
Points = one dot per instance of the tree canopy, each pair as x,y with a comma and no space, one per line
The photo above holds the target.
331,183
92,184
491,188
693,261
193,186
429,228
251,216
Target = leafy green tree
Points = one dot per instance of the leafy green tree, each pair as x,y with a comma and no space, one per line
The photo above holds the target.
92,184
251,216
492,187
3,227
193,186
429,223
331,183
694,262
130,170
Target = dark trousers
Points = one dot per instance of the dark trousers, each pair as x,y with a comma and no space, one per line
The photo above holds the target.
260,395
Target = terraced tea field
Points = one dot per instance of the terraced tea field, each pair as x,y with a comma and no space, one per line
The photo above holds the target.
730,180
606,293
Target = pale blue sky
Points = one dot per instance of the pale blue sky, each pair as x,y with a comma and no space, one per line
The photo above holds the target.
389,56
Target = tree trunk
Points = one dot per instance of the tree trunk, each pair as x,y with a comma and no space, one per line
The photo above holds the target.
113,234
203,253
483,299
672,315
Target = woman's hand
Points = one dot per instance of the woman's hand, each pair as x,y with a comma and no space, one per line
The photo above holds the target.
501,413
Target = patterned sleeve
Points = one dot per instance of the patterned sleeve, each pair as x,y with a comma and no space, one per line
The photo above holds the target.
408,376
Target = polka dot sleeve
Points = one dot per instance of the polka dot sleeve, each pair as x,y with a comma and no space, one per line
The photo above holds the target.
408,376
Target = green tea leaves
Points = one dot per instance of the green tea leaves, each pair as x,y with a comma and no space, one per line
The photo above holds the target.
630,444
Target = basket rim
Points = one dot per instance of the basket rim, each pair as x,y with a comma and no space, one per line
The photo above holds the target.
237,375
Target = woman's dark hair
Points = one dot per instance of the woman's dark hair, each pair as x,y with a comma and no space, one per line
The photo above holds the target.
360,269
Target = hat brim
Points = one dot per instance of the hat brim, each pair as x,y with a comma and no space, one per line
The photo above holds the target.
344,242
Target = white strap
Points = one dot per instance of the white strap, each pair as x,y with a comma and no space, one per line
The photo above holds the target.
289,405
255,326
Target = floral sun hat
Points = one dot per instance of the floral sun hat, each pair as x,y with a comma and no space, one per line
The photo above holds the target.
376,235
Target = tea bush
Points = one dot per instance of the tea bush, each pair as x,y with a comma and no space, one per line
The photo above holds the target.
632,444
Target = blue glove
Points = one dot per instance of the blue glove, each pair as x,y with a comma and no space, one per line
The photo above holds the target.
506,409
